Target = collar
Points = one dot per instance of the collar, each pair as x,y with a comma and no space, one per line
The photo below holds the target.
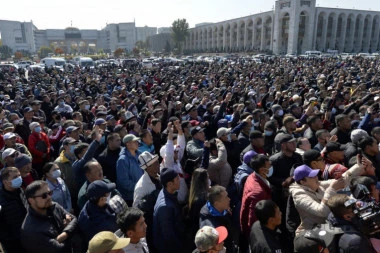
213,211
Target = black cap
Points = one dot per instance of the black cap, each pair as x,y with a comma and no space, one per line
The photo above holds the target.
99,188
282,138
196,130
334,146
310,155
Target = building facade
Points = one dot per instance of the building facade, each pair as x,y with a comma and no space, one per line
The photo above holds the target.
293,27
25,36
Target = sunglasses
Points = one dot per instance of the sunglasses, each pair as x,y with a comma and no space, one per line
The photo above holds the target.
44,195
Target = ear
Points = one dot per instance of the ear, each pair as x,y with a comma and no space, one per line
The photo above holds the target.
130,233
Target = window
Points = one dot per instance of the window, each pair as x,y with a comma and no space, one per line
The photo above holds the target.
18,40
285,5
306,3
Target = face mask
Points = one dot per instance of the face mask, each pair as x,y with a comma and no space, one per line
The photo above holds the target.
270,172
341,107
61,103
222,251
17,182
280,113
56,174
268,133
72,149
16,122
252,129
254,123
229,137
376,120
333,111
37,129
209,183
87,107
183,118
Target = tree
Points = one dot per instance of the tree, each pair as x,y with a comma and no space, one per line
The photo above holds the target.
118,52
18,55
5,52
58,50
140,44
136,51
180,30
167,47
44,51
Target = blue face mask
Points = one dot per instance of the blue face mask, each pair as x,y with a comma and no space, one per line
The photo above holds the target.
72,149
270,172
17,182
56,174
61,103
37,129
268,133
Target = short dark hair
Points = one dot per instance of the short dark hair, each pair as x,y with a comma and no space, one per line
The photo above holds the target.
258,162
365,142
264,210
112,136
6,172
320,132
79,148
312,119
339,118
143,133
126,220
364,180
337,205
375,130
214,193
155,121
47,167
87,166
31,189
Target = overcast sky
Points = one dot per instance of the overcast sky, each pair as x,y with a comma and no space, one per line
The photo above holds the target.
95,14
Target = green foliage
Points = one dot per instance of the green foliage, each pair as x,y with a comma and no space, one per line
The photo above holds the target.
167,47
44,51
5,52
180,30
118,52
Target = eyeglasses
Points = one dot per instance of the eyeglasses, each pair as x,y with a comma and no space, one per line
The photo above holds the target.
44,195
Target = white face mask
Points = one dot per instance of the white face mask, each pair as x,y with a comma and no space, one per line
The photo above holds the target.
223,250
209,183
341,107
229,138
270,171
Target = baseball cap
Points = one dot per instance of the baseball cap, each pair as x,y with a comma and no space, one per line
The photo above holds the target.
106,241
8,136
167,175
282,138
99,121
334,146
255,134
99,188
22,160
223,123
196,130
27,109
248,156
194,123
109,117
208,237
71,129
7,126
357,134
130,137
189,107
146,159
304,171
222,131
7,152
68,141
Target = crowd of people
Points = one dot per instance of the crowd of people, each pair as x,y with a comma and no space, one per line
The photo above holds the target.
201,157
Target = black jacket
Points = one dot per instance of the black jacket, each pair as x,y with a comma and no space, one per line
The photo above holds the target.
352,240
264,240
12,215
38,232
208,219
107,160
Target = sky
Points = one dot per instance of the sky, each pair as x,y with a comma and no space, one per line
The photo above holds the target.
95,14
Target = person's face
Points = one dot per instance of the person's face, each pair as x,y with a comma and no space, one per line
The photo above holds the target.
265,170
258,142
41,199
319,164
12,176
277,217
292,126
153,169
75,134
10,142
133,145
224,137
224,201
26,170
139,230
193,113
200,136
374,148
290,146
345,124
95,173
305,144
324,138
115,143
148,139
157,127
311,182
318,124
337,155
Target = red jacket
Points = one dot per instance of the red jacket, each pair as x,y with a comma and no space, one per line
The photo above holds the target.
37,154
255,189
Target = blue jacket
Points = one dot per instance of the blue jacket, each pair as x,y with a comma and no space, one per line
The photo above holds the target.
93,219
79,163
128,172
143,147
243,171
168,226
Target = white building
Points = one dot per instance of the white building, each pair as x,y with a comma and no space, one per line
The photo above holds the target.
25,36
294,26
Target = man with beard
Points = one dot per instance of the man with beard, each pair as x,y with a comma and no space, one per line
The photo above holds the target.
47,226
